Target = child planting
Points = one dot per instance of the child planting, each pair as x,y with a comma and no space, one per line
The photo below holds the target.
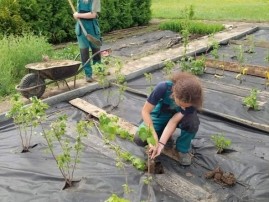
173,104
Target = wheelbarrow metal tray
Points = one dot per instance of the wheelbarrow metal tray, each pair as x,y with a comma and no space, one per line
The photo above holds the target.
55,69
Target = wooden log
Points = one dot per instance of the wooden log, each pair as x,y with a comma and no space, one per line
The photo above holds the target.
253,70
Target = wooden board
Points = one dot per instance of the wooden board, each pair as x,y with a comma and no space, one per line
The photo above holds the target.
253,70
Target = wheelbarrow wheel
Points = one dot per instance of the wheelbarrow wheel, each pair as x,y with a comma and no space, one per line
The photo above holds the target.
31,80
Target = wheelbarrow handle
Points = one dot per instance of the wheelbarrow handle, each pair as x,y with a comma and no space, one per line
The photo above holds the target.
107,51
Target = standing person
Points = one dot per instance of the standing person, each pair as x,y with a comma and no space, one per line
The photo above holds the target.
173,104
87,12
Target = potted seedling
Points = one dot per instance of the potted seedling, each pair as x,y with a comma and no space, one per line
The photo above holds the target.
251,100
69,156
27,118
221,142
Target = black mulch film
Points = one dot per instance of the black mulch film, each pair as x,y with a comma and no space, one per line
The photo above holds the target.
34,176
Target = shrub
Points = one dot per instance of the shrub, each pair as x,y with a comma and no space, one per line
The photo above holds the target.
16,52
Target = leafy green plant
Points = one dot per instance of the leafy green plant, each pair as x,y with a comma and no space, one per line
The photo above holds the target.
116,198
251,100
221,142
27,118
194,66
69,156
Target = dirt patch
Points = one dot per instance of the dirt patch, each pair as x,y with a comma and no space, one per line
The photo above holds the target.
49,64
220,177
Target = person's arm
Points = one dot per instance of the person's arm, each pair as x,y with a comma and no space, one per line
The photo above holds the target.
96,8
146,110
89,15
167,133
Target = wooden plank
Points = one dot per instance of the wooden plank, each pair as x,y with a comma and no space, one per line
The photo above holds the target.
253,70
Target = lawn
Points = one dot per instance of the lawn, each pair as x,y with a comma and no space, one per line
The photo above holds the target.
234,10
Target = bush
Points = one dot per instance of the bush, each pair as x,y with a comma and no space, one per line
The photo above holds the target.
16,52
10,20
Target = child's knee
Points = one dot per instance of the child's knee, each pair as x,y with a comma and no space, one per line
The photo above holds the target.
190,123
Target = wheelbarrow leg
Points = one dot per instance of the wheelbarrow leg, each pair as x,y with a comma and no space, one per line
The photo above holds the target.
67,84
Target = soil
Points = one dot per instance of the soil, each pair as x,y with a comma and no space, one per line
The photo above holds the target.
49,64
224,178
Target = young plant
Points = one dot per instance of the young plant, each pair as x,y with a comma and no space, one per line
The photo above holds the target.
110,128
266,83
69,156
194,66
145,133
149,78
116,198
220,142
251,100
168,67
120,81
251,44
27,118
239,51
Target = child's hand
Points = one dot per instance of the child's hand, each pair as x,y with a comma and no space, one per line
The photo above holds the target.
156,151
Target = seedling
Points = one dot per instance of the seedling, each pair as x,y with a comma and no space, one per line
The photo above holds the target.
116,198
251,100
251,44
220,142
27,117
68,159
239,51
145,133
149,77
194,66
168,67
109,128
120,80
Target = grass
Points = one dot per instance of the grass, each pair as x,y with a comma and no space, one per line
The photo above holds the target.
234,10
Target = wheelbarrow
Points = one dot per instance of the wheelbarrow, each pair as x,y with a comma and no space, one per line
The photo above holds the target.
34,83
